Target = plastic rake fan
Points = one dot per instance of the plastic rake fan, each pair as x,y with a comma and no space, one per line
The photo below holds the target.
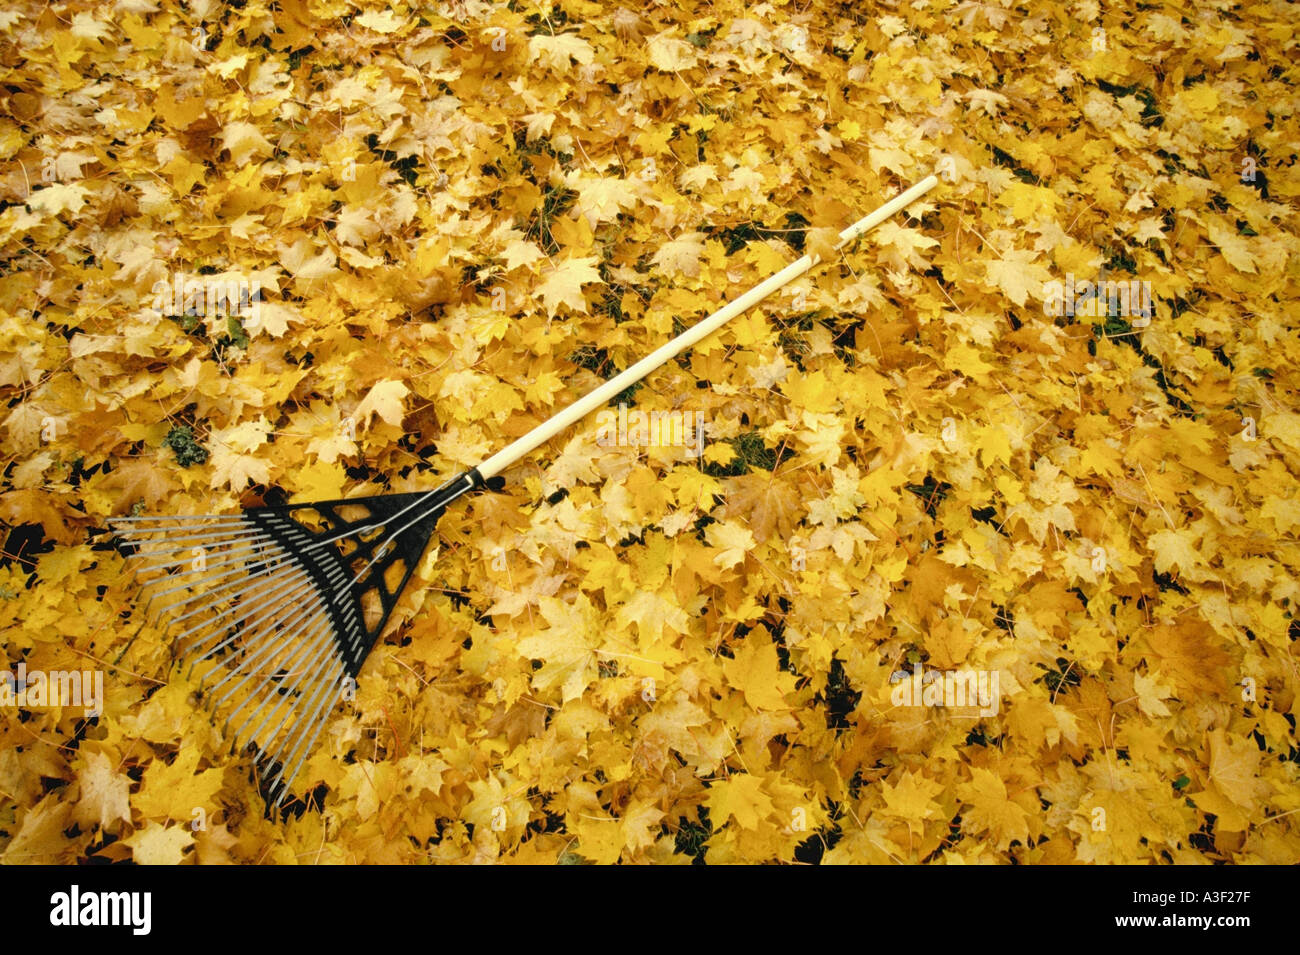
276,608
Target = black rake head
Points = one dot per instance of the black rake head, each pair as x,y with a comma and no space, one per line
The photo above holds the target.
276,608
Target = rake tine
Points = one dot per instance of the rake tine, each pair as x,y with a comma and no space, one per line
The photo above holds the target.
210,540
319,659
311,634
306,657
223,579
252,547
321,662
265,640
201,580
134,535
314,720
131,519
234,582
235,608
312,637
134,532
261,651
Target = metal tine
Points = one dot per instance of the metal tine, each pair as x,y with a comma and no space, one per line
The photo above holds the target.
315,722
192,588
146,533
244,562
308,682
174,541
291,701
127,519
279,557
308,634
297,682
236,581
231,630
209,621
280,696
139,537
153,533
233,601
303,585
265,637
304,656
164,537
239,581
347,532
307,646
179,556
248,629
304,689
244,581
245,543
315,719
252,543
317,726
264,695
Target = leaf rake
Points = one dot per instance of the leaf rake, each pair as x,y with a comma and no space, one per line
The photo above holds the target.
276,608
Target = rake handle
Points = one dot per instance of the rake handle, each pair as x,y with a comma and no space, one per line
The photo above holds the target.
620,382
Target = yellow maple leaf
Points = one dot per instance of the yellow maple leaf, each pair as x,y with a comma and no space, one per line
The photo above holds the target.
556,51
1235,248
244,140
383,399
1174,549
1018,275
105,794
681,255
599,839
669,53
175,791
234,463
741,797
990,810
911,799
567,648
519,252
563,284
732,540
756,671
158,845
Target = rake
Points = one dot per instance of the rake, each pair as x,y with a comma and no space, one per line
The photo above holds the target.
277,607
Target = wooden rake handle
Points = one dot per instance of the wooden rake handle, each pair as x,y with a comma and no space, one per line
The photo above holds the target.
601,395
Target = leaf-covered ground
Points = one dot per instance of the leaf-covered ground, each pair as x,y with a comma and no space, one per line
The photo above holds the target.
463,216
